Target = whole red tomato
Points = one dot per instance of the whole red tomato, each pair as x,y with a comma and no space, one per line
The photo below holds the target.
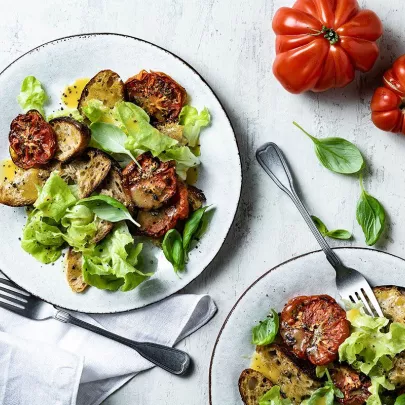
388,102
320,43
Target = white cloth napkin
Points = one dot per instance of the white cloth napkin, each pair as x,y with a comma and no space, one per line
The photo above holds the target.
48,362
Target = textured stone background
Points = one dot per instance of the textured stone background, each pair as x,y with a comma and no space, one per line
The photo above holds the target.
231,43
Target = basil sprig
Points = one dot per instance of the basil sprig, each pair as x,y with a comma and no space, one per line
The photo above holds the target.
370,215
266,331
336,154
108,208
173,249
110,139
176,247
341,234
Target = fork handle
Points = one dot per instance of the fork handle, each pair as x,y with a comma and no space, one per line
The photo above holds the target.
275,165
172,360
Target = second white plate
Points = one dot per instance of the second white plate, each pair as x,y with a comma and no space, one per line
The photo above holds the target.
305,275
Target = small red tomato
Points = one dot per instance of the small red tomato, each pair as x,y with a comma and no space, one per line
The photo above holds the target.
388,102
32,140
314,327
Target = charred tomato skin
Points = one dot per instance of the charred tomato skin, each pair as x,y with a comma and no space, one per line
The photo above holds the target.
314,327
158,94
32,140
353,385
152,184
156,223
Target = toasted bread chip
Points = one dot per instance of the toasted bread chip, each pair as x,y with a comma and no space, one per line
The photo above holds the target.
113,187
72,138
87,171
295,377
196,197
252,386
18,186
74,271
105,86
392,302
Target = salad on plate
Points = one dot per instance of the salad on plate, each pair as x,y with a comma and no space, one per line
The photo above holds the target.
316,353
113,168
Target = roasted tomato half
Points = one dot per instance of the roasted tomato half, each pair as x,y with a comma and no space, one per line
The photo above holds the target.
157,223
314,327
158,94
32,140
353,385
152,184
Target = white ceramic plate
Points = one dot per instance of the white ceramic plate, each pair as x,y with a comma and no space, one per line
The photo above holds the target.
57,64
305,275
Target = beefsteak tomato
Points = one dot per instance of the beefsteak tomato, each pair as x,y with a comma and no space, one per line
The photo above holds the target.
320,44
388,102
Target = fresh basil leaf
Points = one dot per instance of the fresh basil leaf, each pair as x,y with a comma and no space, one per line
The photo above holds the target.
173,249
370,215
324,393
109,138
191,227
108,208
335,234
400,400
320,225
320,371
341,234
266,331
273,397
336,154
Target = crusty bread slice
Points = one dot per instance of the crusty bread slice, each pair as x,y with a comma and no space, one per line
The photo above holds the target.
295,378
18,186
252,386
87,171
196,197
74,274
113,187
392,302
72,138
105,86
103,229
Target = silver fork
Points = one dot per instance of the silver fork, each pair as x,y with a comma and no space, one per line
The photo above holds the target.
23,303
352,286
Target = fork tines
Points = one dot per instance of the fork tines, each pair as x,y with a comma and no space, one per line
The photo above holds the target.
11,296
365,296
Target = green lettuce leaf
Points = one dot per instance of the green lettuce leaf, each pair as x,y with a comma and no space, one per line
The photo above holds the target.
81,227
142,136
193,122
66,112
42,239
378,383
111,264
370,347
185,159
96,111
32,96
55,198
273,397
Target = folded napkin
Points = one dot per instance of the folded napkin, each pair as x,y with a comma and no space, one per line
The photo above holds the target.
49,362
